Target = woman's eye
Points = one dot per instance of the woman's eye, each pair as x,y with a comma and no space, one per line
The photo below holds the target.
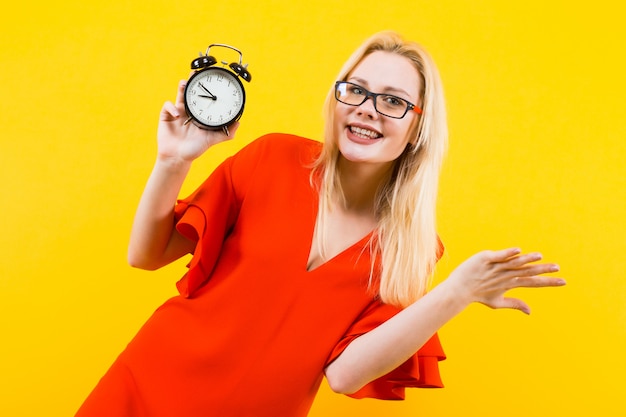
357,91
392,101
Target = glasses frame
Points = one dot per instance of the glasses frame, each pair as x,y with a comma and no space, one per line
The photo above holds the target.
409,106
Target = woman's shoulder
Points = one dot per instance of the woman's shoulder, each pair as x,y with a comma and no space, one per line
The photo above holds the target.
283,147
275,151
286,141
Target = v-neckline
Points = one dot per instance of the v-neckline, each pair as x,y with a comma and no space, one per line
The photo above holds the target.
359,243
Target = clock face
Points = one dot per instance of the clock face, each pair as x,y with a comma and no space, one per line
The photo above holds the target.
214,97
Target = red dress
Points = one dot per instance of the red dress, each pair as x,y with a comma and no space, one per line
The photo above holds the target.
252,330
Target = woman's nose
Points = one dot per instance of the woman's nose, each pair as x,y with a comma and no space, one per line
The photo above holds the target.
368,108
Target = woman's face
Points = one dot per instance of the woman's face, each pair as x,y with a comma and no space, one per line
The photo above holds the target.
363,134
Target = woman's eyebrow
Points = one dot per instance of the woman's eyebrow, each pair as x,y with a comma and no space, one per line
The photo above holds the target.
386,90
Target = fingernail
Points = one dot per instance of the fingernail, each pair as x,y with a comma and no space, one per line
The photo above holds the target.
554,268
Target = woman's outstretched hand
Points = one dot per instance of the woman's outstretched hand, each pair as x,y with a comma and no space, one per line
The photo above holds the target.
184,142
488,275
483,278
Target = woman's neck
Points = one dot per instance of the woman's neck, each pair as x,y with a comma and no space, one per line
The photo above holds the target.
360,183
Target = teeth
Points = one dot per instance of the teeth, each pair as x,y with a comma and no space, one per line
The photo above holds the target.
365,133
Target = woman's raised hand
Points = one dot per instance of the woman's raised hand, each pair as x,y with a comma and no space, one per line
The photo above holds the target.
488,275
184,142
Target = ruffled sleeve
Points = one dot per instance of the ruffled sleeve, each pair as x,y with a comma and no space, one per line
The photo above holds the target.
206,217
419,371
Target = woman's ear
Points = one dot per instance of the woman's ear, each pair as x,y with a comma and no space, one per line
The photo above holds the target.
414,131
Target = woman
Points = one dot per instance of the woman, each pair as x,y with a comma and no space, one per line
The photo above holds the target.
308,259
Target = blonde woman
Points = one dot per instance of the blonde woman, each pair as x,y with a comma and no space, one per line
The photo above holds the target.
309,259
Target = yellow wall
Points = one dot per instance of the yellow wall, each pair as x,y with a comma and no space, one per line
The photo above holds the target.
535,95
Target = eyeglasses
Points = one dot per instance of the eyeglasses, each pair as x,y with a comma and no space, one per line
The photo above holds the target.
385,104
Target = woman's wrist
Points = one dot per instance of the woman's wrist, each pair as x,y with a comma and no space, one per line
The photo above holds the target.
172,164
455,295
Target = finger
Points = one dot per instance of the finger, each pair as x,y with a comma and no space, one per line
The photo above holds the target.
533,270
514,304
180,95
521,260
537,282
509,303
502,255
169,112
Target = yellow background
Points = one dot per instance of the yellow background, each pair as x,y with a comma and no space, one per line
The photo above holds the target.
535,94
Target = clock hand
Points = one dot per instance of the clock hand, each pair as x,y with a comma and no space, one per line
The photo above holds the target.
210,94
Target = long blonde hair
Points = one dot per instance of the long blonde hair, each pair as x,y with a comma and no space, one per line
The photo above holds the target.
406,235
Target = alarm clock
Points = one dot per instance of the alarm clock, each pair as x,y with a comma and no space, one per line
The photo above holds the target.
214,96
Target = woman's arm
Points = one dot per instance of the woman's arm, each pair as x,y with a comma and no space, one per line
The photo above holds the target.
483,278
154,241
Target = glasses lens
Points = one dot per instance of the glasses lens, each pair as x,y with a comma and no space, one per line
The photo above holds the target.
350,94
356,95
391,106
